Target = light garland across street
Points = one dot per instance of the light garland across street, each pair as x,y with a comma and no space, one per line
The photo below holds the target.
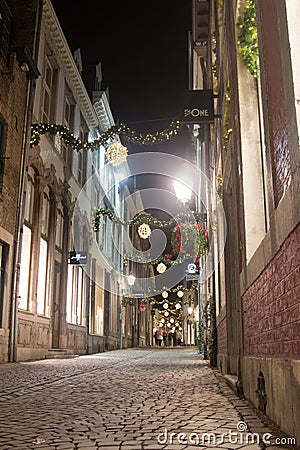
39,129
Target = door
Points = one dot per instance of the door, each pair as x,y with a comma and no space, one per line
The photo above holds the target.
56,306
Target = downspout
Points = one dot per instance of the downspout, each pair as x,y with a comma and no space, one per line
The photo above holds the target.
13,335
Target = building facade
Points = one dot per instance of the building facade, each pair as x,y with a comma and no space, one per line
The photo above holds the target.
49,306
18,45
252,65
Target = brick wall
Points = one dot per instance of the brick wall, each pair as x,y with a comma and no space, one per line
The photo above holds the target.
271,305
13,92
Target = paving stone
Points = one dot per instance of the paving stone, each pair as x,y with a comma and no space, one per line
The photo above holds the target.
118,400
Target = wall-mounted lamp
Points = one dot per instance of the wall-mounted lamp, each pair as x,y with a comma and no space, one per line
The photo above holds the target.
26,62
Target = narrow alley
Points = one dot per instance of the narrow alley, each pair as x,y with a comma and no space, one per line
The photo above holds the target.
146,398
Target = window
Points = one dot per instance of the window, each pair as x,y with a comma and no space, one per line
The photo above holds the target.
59,229
24,281
69,107
96,197
97,300
95,161
48,92
3,252
42,305
82,157
76,295
5,30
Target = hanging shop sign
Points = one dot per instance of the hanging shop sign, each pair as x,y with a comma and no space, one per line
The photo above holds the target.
192,271
197,107
78,258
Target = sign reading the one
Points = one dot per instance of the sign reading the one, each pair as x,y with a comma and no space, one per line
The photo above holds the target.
197,107
78,258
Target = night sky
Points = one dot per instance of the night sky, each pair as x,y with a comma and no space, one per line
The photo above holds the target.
143,48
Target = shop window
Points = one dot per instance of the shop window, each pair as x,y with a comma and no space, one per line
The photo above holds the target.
26,244
42,304
76,295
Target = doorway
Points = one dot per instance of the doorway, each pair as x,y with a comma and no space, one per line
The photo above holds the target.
56,305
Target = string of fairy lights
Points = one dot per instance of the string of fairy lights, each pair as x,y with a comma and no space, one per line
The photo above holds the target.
39,129
166,307
197,234
145,217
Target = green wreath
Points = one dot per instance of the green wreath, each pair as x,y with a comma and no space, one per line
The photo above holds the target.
189,238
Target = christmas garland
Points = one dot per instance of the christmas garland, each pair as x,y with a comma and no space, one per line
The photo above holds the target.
144,217
38,129
167,259
247,38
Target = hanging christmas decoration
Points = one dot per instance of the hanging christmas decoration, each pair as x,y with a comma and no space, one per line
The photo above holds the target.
161,268
165,294
178,306
116,153
166,305
180,294
193,287
145,217
38,129
189,238
144,231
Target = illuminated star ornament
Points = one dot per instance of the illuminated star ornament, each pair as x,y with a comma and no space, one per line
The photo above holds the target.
161,268
116,153
144,231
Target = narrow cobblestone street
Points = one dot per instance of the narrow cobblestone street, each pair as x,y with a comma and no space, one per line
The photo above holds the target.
129,399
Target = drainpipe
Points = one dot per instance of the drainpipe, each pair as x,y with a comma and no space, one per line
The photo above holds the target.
13,335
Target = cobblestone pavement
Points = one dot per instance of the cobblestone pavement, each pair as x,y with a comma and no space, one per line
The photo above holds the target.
130,399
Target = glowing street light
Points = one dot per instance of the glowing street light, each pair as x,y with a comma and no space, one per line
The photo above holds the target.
183,192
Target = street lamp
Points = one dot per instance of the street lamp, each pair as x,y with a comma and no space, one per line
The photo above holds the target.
182,191
131,280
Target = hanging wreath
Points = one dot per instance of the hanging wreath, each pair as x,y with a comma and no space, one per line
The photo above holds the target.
189,238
